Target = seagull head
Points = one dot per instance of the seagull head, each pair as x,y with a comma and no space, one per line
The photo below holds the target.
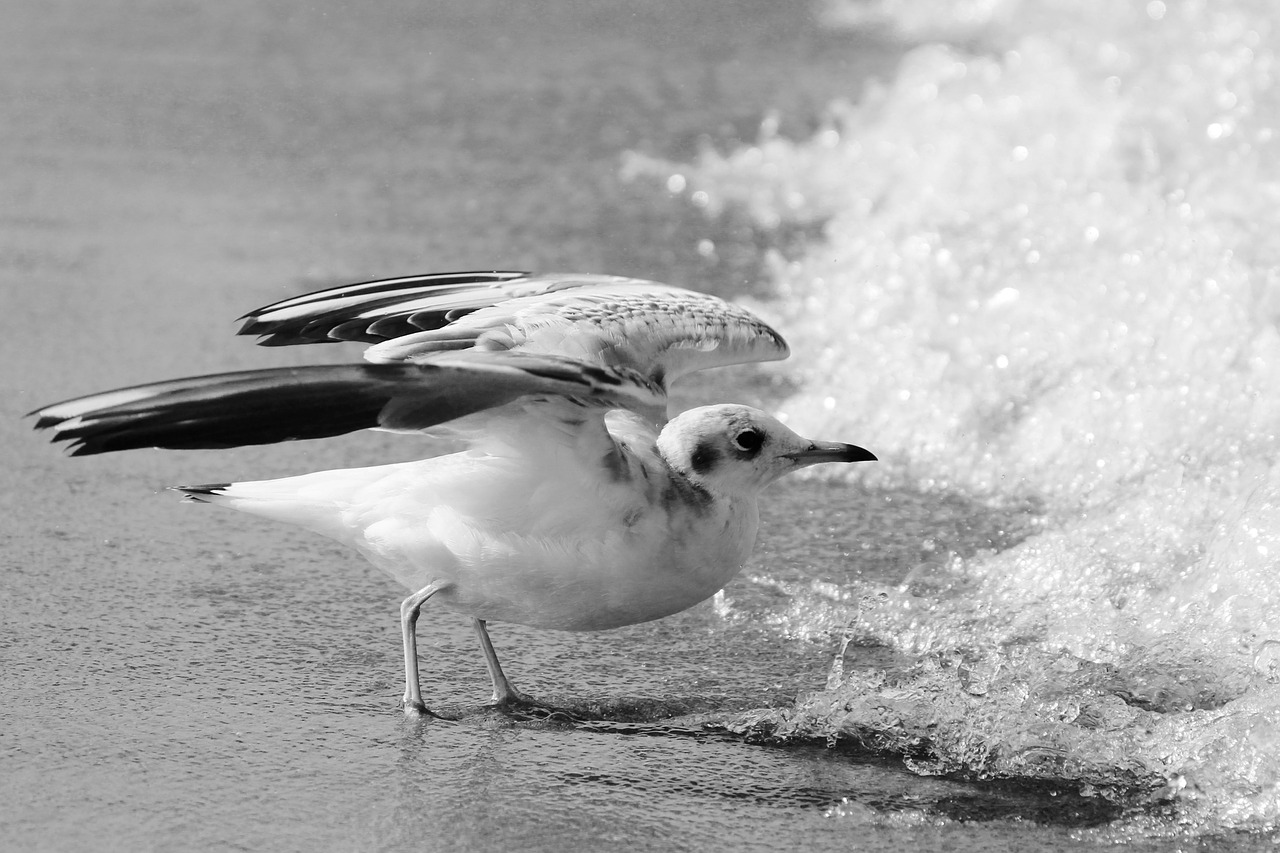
732,449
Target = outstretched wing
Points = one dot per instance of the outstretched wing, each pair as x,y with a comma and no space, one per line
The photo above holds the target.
282,404
660,331
478,352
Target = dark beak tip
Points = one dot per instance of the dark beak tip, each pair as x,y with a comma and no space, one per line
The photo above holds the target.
832,452
861,454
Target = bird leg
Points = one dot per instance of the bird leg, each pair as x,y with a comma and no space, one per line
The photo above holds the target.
409,609
504,694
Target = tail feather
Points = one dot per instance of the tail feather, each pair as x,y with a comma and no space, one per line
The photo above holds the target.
318,501
201,494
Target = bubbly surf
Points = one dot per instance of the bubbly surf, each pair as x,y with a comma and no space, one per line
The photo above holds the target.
1047,276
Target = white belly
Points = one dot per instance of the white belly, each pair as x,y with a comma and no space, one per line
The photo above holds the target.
517,544
604,576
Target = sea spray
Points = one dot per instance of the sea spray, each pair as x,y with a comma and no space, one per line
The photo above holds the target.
1048,275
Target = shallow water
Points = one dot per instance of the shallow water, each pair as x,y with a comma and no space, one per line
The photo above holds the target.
179,677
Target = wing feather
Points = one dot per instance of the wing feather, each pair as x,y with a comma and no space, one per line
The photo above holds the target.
374,311
284,404
476,352
659,330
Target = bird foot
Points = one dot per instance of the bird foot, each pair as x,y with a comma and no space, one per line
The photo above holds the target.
418,711
518,705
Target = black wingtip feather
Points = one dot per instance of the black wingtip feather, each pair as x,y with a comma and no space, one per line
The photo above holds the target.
325,316
287,404
229,410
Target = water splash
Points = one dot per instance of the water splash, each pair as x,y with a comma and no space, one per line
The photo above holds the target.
1051,262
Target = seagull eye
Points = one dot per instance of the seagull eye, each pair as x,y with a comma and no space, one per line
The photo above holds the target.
749,440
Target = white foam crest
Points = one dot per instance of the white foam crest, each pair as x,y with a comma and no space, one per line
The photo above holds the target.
1050,273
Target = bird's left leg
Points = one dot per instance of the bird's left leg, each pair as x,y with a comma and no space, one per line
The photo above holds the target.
409,609
504,694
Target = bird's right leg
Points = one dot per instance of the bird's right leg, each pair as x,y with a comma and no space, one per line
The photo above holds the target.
409,609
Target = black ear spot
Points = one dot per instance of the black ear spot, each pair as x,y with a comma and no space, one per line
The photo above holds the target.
749,441
704,458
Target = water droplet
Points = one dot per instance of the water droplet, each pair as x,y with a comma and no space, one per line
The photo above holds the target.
1266,661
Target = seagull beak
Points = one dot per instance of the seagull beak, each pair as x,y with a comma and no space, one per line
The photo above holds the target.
830,451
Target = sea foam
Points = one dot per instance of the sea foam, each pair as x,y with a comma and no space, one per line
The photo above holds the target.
1048,272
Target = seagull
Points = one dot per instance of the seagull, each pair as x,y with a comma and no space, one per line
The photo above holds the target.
575,505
